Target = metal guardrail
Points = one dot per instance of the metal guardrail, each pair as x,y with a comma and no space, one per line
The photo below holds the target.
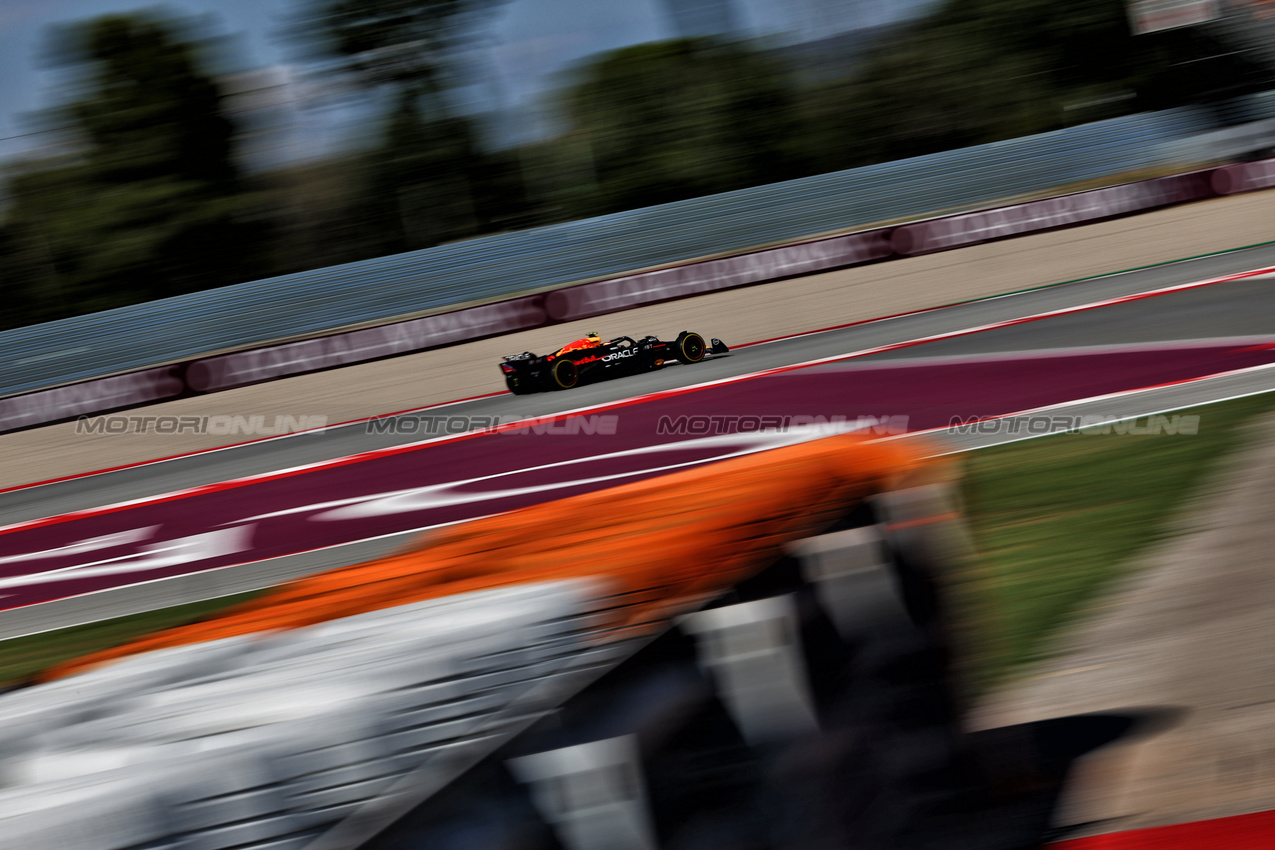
1225,144
503,265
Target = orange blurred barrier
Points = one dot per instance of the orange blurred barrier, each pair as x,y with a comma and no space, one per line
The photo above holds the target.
685,535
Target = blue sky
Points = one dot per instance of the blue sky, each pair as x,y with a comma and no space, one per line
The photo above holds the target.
526,44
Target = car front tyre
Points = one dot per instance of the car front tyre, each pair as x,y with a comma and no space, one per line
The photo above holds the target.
690,347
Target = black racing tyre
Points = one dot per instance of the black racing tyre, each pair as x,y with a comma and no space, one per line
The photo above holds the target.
519,386
690,347
563,375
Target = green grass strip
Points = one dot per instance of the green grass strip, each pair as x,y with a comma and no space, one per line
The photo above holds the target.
1056,519
21,658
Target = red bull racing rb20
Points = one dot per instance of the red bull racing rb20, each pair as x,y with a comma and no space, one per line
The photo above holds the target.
590,359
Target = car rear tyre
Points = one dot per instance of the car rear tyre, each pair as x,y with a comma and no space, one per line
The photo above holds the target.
563,375
690,347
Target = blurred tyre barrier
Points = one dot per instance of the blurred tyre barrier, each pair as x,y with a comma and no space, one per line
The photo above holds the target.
500,686
249,366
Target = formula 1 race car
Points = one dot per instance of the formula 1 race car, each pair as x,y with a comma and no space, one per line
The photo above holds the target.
591,359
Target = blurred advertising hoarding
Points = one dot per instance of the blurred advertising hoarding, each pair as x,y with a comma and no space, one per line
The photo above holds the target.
1146,16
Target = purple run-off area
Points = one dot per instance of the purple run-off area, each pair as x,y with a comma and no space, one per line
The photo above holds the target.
452,480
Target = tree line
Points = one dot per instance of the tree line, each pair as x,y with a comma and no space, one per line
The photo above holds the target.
145,195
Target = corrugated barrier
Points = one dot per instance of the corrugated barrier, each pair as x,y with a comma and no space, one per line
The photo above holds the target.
255,365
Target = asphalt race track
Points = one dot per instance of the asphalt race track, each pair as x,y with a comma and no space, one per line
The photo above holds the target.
402,485
1237,308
